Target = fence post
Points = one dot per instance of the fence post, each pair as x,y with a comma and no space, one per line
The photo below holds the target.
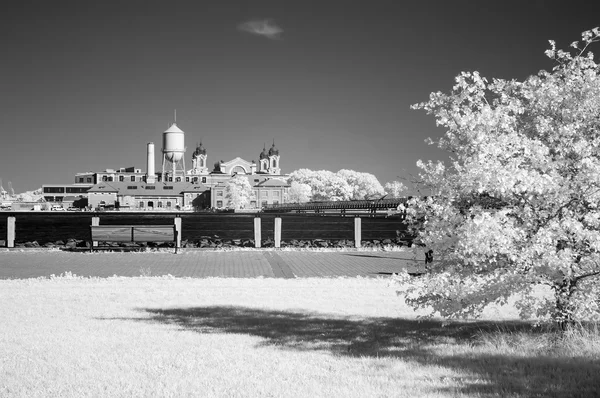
357,232
95,223
10,232
178,229
257,235
277,231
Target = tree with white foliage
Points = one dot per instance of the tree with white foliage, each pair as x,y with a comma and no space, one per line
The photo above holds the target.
324,184
517,206
299,193
238,192
394,189
364,185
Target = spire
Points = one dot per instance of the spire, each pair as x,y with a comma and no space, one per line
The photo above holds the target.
273,150
264,154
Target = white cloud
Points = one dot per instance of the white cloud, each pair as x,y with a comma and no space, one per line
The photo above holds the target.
264,27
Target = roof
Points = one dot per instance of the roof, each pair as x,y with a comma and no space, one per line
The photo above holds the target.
142,188
272,182
173,129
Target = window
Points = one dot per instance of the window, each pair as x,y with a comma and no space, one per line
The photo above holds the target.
264,194
253,204
275,202
203,179
150,187
219,203
195,179
178,179
110,178
76,190
104,178
141,205
169,203
168,187
187,179
275,194
121,178
159,203
132,178
264,203
54,190
254,193
89,179
131,186
80,179
220,194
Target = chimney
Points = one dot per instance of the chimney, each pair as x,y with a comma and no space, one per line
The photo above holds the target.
150,173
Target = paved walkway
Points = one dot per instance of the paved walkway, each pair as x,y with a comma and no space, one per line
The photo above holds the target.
203,264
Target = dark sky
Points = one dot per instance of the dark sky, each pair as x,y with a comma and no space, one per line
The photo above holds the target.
85,85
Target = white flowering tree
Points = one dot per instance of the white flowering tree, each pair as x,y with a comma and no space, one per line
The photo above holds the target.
238,192
299,193
364,185
394,189
516,207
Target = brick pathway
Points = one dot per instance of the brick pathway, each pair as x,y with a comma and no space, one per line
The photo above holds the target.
203,264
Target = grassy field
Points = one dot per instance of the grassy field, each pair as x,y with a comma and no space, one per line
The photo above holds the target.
345,337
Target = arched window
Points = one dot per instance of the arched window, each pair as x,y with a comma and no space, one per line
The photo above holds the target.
104,178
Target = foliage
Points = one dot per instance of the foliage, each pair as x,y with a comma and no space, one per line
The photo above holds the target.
299,193
238,192
343,185
517,205
364,185
324,184
394,189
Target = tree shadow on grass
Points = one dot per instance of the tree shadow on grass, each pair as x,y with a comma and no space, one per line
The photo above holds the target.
452,346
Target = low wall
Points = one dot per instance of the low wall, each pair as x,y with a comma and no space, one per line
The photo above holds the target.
71,230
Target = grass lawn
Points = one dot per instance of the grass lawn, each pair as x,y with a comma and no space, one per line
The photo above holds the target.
344,337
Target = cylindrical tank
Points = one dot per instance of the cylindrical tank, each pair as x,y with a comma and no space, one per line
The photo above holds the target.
173,143
150,160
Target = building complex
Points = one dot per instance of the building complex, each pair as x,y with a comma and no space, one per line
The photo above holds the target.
174,187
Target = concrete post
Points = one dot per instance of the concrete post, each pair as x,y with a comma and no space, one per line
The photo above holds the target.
357,232
95,223
257,234
178,229
10,232
277,231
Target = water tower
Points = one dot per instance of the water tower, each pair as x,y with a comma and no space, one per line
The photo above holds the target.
173,150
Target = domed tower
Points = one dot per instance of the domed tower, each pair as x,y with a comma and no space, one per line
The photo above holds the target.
263,161
199,160
274,160
173,165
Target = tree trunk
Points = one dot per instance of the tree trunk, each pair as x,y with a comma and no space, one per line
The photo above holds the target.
563,310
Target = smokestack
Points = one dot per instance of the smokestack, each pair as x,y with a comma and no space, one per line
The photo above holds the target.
150,173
